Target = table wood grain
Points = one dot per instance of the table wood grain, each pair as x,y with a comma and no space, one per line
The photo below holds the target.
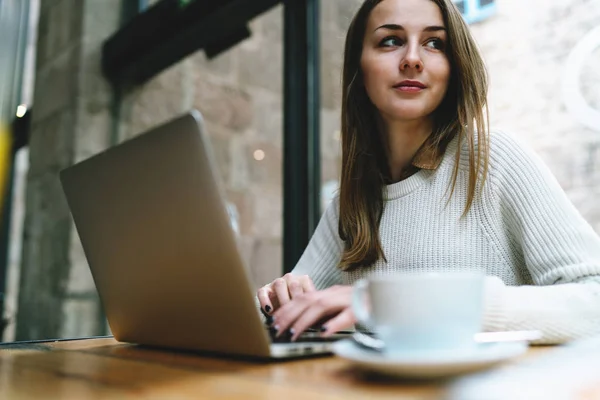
106,369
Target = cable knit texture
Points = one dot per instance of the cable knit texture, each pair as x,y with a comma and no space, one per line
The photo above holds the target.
541,257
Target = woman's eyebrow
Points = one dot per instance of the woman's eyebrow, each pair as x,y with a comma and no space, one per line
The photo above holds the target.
396,27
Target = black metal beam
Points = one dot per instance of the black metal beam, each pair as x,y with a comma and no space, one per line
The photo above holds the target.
170,30
302,172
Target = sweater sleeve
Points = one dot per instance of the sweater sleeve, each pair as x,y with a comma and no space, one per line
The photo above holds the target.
323,253
559,248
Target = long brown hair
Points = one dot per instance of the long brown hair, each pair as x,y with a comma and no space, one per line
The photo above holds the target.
365,170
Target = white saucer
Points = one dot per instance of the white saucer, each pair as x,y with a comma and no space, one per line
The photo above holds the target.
430,364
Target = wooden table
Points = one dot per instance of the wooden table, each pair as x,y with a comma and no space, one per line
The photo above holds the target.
103,368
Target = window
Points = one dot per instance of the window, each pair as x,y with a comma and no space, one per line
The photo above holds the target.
476,10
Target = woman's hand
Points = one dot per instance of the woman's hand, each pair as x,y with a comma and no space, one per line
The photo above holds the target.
282,290
332,305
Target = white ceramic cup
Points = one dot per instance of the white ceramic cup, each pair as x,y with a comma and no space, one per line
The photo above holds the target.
421,311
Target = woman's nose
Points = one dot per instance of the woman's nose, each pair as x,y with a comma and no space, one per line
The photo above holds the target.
412,58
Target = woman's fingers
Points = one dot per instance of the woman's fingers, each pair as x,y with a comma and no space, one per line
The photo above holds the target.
280,288
343,320
295,288
306,310
326,303
286,315
307,284
279,292
297,285
264,299
311,315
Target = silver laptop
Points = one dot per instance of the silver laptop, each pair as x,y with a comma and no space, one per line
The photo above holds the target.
157,236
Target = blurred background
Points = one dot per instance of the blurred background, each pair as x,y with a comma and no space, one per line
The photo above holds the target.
68,90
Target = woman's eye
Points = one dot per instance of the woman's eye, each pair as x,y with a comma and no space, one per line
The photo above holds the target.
437,44
390,42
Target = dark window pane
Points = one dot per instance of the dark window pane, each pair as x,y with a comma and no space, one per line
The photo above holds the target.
483,3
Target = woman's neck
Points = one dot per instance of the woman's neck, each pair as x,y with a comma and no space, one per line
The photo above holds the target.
402,140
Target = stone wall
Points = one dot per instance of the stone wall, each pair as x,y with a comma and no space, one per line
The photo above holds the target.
526,46
71,121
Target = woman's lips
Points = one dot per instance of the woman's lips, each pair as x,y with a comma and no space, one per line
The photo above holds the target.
409,89
409,86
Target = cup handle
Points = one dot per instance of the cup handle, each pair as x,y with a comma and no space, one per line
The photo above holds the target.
359,303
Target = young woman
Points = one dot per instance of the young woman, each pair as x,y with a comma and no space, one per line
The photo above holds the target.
426,187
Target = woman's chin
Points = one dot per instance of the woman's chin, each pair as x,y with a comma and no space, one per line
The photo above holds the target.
406,111
408,115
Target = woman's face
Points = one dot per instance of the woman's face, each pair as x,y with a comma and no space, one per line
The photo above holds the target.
404,65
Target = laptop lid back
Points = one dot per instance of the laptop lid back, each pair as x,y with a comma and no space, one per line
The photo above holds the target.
159,244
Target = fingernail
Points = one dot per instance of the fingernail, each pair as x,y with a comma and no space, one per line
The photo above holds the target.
292,331
268,308
263,312
323,329
269,320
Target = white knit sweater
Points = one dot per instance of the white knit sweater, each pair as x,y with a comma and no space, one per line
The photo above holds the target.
541,257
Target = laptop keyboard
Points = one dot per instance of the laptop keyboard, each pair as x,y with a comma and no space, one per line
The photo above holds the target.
311,335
